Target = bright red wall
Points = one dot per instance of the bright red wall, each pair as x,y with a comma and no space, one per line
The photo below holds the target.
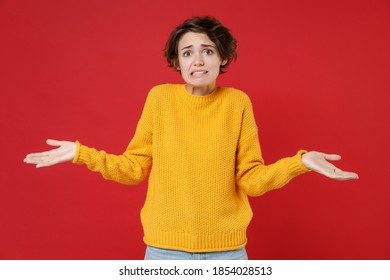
317,73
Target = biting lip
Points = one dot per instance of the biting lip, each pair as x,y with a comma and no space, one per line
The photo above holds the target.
199,72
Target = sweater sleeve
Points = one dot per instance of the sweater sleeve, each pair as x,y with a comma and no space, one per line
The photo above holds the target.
131,167
252,175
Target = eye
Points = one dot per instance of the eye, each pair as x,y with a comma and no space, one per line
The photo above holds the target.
186,53
209,51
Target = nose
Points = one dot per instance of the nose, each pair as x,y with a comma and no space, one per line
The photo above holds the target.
198,60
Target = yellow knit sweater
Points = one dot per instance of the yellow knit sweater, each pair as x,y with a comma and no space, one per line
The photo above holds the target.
206,161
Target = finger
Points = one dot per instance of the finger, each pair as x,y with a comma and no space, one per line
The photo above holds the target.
47,162
44,164
42,154
37,160
38,155
343,175
332,157
30,161
53,142
339,174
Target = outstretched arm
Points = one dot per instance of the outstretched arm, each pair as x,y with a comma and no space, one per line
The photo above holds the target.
65,152
129,168
318,162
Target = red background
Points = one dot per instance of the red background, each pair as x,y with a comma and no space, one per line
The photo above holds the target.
316,71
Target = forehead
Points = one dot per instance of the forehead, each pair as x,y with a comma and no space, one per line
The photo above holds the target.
193,39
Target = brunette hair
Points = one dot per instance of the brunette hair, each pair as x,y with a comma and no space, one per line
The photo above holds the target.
225,42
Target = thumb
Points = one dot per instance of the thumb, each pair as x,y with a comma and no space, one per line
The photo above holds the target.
332,157
52,142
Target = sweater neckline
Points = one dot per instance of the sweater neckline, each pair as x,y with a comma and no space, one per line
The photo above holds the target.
198,98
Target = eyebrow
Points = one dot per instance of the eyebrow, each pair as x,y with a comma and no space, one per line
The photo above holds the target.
203,45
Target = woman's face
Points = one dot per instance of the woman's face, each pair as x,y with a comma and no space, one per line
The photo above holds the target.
199,63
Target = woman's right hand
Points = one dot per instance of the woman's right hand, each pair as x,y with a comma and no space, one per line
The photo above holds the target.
65,152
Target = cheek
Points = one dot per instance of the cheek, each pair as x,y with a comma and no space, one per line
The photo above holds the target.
217,66
181,65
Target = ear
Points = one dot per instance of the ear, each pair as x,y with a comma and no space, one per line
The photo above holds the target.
223,63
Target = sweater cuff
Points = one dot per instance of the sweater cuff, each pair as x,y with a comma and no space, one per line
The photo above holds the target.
77,154
82,154
297,166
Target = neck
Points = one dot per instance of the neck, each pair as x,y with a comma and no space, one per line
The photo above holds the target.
200,91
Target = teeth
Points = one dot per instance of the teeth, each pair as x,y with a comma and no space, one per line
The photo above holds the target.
199,72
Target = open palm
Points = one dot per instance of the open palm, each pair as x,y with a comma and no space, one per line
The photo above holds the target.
318,162
65,152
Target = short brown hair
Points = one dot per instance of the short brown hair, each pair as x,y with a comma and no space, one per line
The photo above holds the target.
225,42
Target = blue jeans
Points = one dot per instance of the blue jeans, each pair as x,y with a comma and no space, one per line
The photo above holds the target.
153,253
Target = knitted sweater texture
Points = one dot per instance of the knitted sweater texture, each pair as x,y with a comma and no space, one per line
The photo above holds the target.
206,162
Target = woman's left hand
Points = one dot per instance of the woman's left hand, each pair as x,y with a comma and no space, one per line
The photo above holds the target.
318,162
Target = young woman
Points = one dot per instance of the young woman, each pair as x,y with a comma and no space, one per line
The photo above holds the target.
203,142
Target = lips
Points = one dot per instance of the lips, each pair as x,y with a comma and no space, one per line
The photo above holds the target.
199,73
